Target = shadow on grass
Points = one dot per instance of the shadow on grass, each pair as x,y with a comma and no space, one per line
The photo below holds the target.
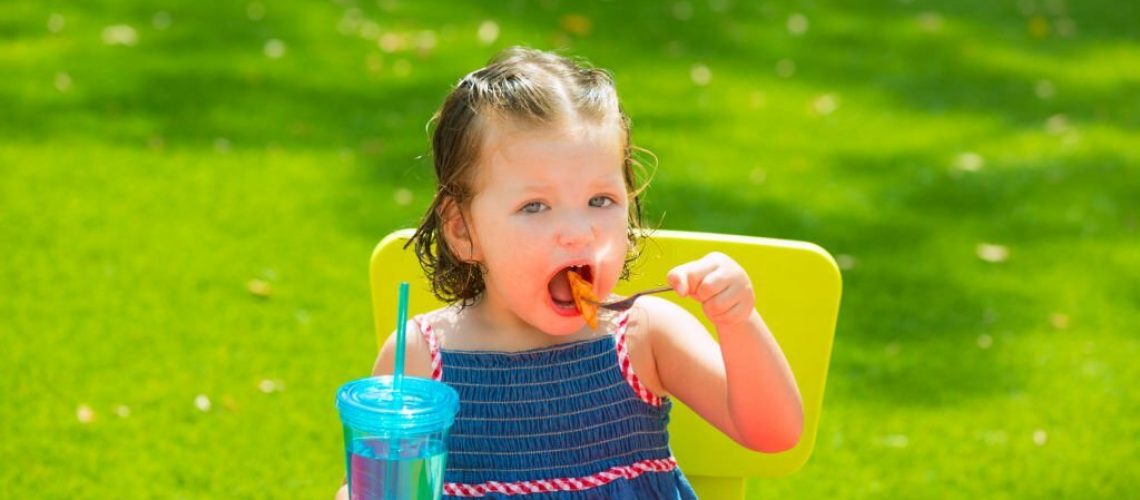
182,84
882,49
1025,202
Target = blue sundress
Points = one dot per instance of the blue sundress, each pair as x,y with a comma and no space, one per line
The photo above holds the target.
570,421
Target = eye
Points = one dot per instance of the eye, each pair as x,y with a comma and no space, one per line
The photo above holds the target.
533,207
601,201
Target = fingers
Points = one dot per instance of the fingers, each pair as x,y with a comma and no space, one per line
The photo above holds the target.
687,278
701,278
727,308
720,303
679,280
718,283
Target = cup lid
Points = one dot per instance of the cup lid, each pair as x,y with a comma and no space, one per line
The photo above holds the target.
371,404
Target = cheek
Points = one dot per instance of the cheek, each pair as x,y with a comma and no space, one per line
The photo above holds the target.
515,254
617,245
617,227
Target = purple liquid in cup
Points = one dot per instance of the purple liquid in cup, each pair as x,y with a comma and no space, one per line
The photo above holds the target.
416,477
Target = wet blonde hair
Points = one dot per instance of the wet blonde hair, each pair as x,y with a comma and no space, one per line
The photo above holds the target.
530,87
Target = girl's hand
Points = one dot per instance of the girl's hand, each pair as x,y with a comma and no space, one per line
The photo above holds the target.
720,284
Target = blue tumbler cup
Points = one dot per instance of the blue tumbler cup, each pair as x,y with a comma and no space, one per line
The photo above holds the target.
395,442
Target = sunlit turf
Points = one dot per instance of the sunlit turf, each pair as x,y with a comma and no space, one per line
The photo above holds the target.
186,218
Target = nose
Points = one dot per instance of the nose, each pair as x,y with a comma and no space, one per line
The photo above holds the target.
575,232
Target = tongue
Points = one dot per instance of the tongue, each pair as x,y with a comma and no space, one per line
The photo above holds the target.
560,288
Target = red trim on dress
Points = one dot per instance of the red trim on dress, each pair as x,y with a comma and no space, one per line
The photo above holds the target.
561,484
433,347
627,367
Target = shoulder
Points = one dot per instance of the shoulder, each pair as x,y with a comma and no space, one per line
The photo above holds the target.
417,350
662,336
654,325
439,324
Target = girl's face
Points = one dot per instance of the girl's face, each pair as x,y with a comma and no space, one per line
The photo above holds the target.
548,200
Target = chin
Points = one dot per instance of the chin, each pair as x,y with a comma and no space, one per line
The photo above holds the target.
562,329
560,326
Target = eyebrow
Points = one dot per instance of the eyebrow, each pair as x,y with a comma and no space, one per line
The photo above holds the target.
595,183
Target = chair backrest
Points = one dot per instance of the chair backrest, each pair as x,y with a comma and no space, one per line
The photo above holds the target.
797,288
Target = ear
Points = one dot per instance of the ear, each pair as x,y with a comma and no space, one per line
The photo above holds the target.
458,233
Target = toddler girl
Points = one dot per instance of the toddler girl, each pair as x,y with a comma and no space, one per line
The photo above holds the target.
536,179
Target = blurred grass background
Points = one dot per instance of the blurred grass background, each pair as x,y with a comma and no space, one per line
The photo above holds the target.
189,193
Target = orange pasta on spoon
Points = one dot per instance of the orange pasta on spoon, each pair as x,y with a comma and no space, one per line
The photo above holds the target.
584,298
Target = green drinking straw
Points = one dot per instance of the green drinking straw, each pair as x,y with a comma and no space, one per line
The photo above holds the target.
401,333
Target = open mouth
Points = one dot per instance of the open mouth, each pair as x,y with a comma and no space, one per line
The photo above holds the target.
559,287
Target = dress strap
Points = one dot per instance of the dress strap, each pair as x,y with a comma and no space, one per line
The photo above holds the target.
627,367
433,346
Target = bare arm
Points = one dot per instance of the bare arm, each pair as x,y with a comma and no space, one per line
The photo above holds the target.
417,355
744,386
762,394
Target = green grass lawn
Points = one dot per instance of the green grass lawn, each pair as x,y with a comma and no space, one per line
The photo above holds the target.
969,163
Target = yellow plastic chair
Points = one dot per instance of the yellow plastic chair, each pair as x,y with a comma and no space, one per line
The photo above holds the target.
797,288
